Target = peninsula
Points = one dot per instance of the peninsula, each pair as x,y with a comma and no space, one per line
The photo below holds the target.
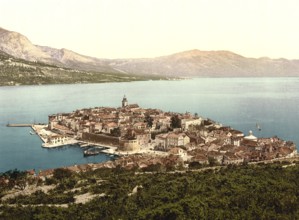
182,138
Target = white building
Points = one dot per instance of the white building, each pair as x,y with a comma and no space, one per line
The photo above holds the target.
57,139
185,123
165,141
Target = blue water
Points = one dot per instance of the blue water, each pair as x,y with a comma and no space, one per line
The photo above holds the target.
239,102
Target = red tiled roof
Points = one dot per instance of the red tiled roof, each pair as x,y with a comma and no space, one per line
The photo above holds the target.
199,157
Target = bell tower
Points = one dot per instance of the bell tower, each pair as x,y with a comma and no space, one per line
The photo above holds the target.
124,101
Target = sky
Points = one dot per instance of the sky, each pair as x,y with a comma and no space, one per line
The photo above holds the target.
151,28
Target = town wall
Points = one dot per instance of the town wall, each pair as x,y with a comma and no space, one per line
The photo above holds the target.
101,139
129,145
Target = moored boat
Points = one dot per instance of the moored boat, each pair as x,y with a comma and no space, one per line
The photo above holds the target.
92,151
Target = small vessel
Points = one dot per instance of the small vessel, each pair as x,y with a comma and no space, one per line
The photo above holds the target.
32,133
92,151
258,127
84,144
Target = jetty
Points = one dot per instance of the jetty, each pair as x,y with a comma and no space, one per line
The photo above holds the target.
19,125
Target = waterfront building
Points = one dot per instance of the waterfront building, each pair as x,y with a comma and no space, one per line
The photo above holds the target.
57,139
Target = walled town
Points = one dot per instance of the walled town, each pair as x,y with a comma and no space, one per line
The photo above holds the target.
150,136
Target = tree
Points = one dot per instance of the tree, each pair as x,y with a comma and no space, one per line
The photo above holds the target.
17,178
175,121
149,120
62,173
195,165
115,132
212,161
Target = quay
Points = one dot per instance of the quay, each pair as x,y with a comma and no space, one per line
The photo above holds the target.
19,125
43,134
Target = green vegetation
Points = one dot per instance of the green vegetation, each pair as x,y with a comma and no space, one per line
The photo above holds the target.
16,179
14,71
232,192
175,122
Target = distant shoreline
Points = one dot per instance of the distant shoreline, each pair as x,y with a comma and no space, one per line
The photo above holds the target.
144,80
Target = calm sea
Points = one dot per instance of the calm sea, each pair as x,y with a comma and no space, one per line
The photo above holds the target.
273,103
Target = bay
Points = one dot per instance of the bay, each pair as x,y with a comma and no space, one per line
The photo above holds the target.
241,103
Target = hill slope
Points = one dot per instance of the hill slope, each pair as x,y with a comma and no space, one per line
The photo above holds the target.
16,71
244,192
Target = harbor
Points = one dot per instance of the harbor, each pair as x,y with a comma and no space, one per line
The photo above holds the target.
52,140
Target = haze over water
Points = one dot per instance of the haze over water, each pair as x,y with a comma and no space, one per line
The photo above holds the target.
273,103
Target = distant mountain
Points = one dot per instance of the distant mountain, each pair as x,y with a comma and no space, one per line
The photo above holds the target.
19,46
194,63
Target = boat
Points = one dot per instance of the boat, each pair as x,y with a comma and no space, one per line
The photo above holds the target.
258,127
92,151
32,133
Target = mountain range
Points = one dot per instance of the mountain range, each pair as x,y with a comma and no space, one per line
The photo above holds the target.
193,63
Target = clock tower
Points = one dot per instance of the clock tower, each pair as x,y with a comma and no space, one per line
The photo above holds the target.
124,101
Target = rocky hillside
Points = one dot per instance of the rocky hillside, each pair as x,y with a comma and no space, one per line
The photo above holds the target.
16,71
19,46
194,63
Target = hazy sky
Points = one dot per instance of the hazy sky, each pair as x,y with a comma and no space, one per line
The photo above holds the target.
149,28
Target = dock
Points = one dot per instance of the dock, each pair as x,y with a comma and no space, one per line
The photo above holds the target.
19,125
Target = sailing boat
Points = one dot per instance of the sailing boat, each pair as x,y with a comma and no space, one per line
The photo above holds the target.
258,127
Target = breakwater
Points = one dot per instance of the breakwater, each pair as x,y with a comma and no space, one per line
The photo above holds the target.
19,125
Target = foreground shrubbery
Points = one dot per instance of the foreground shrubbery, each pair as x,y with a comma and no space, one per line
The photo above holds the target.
244,192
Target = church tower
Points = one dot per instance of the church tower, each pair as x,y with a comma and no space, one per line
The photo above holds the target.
124,101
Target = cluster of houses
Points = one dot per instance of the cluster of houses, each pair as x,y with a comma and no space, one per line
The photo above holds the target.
187,136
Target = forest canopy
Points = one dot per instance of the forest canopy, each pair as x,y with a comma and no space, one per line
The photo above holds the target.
264,191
